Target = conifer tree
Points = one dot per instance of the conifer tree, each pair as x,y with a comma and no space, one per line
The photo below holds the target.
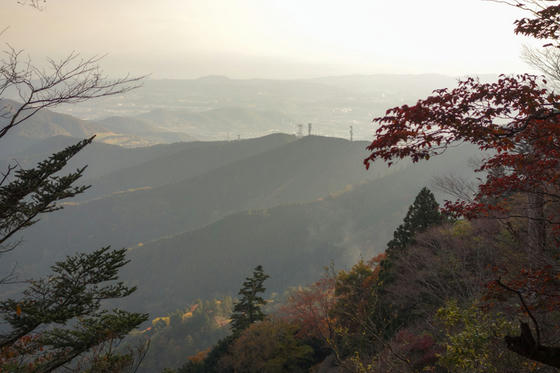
58,319
35,191
421,215
61,317
247,309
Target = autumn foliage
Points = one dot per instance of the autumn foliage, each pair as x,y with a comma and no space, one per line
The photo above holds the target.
515,122
310,307
515,118
473,287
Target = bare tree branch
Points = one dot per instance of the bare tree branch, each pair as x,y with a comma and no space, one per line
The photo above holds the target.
456,186
546,60
69,80
525,307
37,4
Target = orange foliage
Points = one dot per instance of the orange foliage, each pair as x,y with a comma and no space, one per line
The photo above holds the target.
199,357
309,308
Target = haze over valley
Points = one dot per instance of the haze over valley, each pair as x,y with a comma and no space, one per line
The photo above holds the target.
220,108
247,186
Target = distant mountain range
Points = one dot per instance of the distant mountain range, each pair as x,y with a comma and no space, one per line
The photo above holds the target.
154,127
217,107
220,123
46,124
197,216
225,123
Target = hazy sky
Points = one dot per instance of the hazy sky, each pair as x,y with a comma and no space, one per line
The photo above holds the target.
272,38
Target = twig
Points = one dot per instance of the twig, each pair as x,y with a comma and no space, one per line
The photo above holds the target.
537,329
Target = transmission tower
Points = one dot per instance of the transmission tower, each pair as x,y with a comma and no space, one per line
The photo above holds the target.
351,134
300,130
308,129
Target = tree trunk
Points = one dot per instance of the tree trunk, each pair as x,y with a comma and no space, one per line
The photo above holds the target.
526,346
536,226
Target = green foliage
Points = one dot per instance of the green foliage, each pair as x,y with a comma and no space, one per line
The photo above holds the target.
474,340
59,317
190,331
356,298
211,364
62,313
422,214
35,191
268,346
247,309
110,363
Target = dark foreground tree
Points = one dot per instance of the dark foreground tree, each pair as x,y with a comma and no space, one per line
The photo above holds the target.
35,191
60,317
72,294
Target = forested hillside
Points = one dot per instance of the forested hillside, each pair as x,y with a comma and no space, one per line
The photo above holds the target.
298,171
101,158
294,241
187,331
187,161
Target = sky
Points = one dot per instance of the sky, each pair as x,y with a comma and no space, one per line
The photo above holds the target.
278,39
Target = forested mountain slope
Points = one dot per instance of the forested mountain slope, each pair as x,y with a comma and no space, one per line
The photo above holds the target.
298,171
190,160
100,158
293,242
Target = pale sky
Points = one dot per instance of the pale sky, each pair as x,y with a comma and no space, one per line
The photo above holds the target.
272,38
